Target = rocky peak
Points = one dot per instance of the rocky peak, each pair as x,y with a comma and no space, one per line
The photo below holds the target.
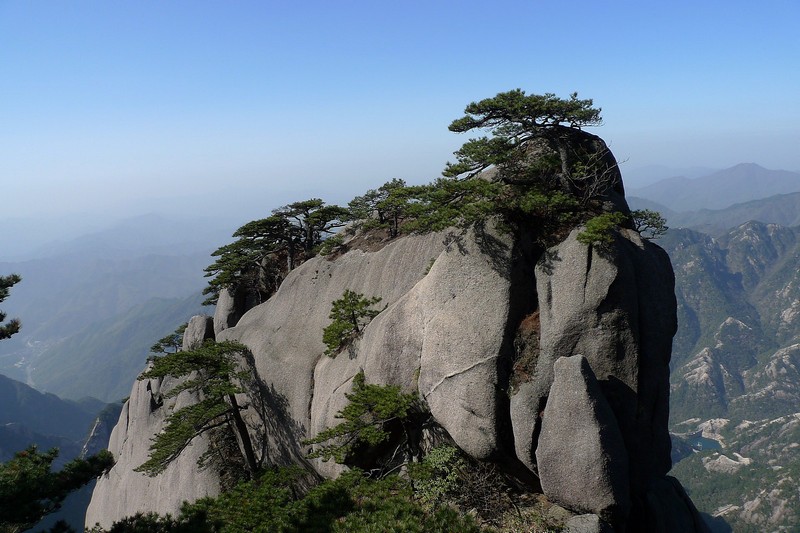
583,332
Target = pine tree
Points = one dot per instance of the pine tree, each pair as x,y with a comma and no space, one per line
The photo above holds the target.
213,373
29,490
13,325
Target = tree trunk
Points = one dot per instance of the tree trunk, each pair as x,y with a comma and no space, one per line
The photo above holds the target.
244,437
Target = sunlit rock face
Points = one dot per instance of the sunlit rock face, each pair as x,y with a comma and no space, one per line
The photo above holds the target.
597,325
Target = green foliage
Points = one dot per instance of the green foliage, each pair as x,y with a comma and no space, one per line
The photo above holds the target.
599,229
387,207
515,120
170,343
310,221
446,476
388,505
437,477
332,244
266,249
13,325
542,175
255,259
153,523
349,314
649,223
211,372
448,202
29,490
352,503
365,418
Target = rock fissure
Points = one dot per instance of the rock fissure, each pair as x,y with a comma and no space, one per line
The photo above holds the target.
458,373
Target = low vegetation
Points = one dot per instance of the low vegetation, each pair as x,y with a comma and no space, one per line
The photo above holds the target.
372,414
29,489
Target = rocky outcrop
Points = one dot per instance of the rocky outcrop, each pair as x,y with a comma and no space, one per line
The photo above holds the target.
617,309
199,328
454,306
445,338
123,492
581,453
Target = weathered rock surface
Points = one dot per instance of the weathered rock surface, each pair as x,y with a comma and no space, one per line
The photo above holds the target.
445,336
581,455
231,305
285,333
199,328
122,492
587,523
453,305
618,310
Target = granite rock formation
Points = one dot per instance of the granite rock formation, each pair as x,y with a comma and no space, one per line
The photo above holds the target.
584,396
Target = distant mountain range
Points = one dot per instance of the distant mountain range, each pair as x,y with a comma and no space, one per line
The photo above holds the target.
42,414
738,184
104,358
29,417
742,193
91,308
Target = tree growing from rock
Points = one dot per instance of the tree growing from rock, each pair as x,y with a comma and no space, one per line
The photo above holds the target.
13,325
349,315
213,373
266,250
534,169
385,207
29,489
169,343
516,121
650,224
312,221
365,419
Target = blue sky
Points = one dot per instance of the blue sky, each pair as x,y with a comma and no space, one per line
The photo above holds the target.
111,105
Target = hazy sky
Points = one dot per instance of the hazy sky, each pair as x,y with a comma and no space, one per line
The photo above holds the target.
104,104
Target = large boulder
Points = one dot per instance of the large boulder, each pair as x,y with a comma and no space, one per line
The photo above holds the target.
617,308
198,329
581,454
444,338
285,334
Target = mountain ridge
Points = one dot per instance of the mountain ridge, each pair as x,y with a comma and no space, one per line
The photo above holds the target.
740,183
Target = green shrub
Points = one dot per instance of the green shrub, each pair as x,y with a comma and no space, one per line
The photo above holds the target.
437,476
369,410
598,230
349,314
353,503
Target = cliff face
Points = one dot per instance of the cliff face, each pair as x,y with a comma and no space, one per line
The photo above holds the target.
553,364
123,492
